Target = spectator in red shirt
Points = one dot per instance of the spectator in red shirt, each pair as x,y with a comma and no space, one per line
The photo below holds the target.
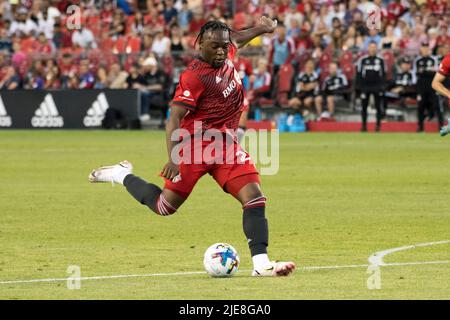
44,45
283,7
437,6
28,43
394,10
156,21
197,23
107,13
303,41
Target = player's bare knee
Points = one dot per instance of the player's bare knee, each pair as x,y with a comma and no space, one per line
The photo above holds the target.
257,201
250,193
164,207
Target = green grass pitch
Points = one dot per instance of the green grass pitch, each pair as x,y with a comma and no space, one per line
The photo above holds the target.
337,199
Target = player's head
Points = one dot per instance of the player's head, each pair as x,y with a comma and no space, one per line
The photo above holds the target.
405,64
214,39
373,48
333,68
281,30
262,65
309,66
425,49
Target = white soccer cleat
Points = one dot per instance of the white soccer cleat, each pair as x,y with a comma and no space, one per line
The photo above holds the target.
113,174
275,269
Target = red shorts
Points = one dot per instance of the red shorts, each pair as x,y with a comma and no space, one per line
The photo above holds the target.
236,163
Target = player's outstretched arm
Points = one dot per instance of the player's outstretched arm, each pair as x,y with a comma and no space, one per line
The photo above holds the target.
264,25
438,85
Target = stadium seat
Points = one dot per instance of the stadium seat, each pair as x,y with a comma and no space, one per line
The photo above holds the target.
389,61
325,60
285,75
119,46
346,58
348,68
133,45
302,58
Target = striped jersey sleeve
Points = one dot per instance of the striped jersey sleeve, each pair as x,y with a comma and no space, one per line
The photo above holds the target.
188,91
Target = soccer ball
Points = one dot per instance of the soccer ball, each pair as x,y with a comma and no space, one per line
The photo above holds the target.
221,260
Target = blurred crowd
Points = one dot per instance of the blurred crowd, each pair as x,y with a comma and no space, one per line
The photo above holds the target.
145,44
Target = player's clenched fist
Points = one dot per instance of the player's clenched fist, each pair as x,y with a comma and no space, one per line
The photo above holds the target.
170,170
267,23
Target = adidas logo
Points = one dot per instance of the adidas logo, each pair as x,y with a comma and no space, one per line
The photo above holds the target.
218,79
47,115
5,120
96,113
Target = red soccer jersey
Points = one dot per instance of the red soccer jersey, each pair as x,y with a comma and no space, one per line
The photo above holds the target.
213,96
444,67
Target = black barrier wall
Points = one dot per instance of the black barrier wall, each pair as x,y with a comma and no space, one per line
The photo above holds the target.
68,109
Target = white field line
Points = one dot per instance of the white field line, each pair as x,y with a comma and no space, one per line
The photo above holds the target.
203,272
376,259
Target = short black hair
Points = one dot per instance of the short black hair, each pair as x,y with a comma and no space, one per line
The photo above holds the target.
213,25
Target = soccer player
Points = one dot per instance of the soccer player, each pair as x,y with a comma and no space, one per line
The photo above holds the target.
370,79
425,67
335,84
402,85
438,85
307,90
210,92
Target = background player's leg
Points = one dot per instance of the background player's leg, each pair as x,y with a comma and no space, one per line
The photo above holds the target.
330,104
377,100
429,103
421,113
318,104
364,105
439,107
162,202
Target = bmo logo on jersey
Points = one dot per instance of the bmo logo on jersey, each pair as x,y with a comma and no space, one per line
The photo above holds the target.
232,85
